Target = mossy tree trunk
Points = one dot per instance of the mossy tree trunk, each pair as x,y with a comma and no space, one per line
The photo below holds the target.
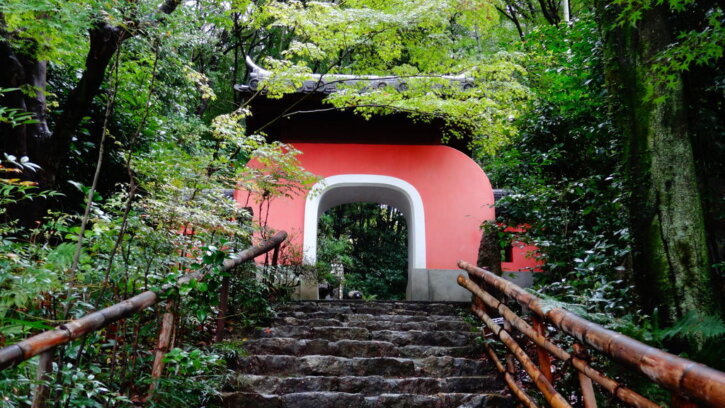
671,261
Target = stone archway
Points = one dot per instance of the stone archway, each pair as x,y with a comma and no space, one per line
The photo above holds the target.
350,188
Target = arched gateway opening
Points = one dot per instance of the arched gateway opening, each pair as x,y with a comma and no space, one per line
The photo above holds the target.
351,188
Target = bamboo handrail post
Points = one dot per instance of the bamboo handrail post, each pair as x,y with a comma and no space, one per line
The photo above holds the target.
515,389
585,383
543,356
42,390
275,255
163,346
477,303
510,366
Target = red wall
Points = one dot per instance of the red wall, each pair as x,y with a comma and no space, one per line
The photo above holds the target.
457,195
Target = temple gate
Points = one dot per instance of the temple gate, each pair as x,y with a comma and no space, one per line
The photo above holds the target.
443,194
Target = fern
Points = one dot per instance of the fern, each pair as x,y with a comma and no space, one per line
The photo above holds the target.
695,325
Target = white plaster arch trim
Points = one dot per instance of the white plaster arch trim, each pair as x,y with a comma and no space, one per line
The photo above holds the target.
388,189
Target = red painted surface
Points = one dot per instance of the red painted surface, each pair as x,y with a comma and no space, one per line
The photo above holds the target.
457,195
523,256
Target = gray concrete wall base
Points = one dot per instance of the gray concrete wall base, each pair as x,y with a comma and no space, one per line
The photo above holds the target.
418,285
443,286
523,279
307,290
428,285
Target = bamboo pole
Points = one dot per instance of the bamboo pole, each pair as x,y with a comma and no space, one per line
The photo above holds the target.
163,346
74,329
42,390
515,389
623,393
543,356
550,394
585,383
510,366
672,372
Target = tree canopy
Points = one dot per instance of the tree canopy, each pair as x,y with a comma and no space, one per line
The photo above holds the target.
123,136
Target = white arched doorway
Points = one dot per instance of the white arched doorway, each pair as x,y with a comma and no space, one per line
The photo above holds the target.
351,188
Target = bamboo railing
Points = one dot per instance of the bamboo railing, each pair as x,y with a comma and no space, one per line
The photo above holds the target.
690,383
45,342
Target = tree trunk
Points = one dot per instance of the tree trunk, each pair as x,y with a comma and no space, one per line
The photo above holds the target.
49,149
671,263
489,252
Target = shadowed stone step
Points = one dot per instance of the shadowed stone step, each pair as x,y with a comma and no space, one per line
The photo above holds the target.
401,318
296,400
416,351
326,365
348,316
423,338
349,400
322,332
353,348
377,307
370,385
448,366
373,309
458,325
341,348
437,401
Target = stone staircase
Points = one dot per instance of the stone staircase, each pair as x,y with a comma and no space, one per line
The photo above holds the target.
355,354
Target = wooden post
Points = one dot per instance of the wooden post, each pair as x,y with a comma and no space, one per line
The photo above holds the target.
544,358
164,345
510,367
42,390
590,401
275,256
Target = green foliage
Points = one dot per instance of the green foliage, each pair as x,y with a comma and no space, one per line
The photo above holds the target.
11,116
563,173
370,241
418,41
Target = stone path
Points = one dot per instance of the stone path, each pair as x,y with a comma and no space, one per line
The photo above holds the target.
355,354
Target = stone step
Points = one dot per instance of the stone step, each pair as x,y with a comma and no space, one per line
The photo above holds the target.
416,351
368,385
425,338
430,309
319,332
447,324
325,365
438,401
356,317
340,348
353,348
349,400
446,338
